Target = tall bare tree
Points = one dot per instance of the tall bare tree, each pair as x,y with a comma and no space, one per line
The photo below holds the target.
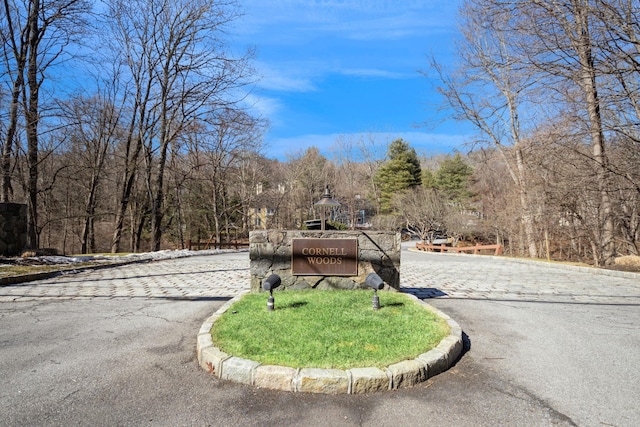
176,55
94,126
14,58
356,167
489,89
310,172
36,37
559,38
233,137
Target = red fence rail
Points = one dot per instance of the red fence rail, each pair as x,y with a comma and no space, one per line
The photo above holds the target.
475,249
197,246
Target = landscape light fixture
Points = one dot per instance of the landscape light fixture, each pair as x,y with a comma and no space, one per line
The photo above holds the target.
269,284
374,281
326,201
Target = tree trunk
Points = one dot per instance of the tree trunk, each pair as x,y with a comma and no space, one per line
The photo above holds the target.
527,217
32,118
589,86
157,213
20,57
129,176
7,148
88,228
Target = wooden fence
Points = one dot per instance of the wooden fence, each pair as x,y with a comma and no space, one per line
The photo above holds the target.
475,249
197,246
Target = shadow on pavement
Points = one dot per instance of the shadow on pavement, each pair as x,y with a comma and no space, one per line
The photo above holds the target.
424,293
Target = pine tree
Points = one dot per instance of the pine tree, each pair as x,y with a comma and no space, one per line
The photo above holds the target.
400,172
453,179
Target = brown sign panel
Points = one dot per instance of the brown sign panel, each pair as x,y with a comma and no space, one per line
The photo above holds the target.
324,257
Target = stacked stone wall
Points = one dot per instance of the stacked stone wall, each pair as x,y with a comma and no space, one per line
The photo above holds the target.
13,228
270,253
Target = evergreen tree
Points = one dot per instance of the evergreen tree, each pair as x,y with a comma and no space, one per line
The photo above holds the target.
428,179
400,172
453,179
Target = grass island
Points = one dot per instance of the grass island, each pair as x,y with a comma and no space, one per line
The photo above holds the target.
328,329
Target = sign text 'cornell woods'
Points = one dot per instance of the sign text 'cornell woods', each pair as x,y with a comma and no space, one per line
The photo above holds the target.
324,257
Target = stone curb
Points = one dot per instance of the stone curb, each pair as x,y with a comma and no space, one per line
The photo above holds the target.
329,381
592,270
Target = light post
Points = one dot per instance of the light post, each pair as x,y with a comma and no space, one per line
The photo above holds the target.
269,284
374,281
325,201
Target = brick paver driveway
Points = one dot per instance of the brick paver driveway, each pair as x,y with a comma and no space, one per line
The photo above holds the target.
116,346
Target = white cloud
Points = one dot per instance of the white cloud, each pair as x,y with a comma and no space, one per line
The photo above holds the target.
264,106
281,82
423,142
286,77
372,72
351,19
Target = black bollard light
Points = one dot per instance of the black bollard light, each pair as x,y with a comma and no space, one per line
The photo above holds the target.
269,284
374,281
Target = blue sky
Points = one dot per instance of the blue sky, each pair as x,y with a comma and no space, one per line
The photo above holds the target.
331,68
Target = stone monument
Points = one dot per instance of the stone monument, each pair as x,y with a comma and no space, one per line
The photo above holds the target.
328,259
13,228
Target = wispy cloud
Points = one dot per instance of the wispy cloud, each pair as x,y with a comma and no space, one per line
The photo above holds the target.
287,77
352,19
304,76
264,106
387,25
329,65
296,27
281,82
424,143
372,72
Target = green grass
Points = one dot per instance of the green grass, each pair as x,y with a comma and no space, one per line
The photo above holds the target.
328,329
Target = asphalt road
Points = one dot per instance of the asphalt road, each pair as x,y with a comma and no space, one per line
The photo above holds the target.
545,346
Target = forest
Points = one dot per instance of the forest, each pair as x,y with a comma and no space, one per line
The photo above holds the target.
152,144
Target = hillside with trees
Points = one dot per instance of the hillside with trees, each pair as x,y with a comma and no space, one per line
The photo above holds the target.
157,147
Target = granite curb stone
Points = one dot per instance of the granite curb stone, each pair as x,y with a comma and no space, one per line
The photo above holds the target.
403,374
328,381
239,370
275,377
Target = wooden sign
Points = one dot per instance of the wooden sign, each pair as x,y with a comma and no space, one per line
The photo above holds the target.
324,257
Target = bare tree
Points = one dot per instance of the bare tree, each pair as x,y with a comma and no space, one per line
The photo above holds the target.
424,212
498,202
234,135
94,128
250,171
572,62
14,58
129,43
35,37
310,173
182,75
560,40
489,90
355,171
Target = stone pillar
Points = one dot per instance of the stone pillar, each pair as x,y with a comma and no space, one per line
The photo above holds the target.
13,228
271,253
